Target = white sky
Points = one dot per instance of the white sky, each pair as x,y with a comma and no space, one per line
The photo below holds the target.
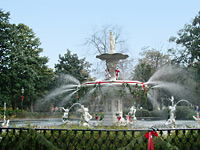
64,24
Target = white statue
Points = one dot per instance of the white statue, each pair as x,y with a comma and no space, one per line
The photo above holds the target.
5,124
112,43
66,113
172,109
197,118
132,113
85,114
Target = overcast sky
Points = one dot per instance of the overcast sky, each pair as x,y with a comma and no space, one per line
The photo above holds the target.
64,24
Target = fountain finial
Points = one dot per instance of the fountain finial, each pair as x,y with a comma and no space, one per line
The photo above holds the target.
112,43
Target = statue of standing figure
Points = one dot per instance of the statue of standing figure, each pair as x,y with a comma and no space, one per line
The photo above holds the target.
132,113
85,114
112,43
5,124
172,109
66,113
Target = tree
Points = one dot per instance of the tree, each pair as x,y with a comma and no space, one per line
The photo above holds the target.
189,40
187,52
143,71
20,64
99,41
151,61
69,70
154,57
70,64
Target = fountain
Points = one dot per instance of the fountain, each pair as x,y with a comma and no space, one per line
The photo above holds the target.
112,102
109,88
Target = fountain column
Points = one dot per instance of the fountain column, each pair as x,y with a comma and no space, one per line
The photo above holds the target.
112,104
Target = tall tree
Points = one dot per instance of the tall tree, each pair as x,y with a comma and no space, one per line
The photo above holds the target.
189,40
151,60
20,64
99,42
70,64
143,71
69,69
187,52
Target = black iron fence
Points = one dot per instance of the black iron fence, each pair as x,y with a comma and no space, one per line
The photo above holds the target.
94,139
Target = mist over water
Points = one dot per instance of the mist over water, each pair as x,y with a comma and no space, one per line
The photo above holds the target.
86,98
153,100
176,81
57,92
169,73
69,79
68,86
66,99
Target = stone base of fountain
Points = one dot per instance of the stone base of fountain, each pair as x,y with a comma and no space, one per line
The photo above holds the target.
112,108
109,119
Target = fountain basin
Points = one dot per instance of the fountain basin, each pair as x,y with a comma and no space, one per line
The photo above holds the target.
140,124
113,102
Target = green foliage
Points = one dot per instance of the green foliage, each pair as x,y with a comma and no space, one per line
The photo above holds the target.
141,142
159,113
138,92
33,138
70,70
72,65
97,139
151,61
142,113
143,71
20,64
184,113
187,52
17,113
189,39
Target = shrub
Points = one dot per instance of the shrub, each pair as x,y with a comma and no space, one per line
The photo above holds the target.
184,113
159,113
142,113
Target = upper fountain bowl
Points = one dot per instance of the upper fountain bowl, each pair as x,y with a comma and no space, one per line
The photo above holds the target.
114,56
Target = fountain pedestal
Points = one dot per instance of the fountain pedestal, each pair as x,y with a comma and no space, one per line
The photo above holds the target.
112,107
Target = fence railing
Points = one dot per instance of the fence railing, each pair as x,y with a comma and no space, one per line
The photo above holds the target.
93,139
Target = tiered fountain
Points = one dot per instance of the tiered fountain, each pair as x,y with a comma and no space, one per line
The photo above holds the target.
112,102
